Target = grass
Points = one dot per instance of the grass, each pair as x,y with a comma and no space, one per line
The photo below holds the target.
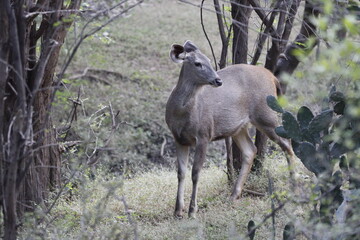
140,80
95,210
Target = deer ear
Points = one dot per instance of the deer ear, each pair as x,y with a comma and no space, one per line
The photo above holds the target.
177,53
190,46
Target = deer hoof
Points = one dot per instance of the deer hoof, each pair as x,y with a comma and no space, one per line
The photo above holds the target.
234,197
179,215
192,215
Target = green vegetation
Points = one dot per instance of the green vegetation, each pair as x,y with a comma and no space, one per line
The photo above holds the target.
124,73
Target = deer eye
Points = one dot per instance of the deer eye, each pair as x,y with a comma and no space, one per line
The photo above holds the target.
197,64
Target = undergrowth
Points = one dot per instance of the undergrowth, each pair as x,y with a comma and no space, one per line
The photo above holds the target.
111,207
131,189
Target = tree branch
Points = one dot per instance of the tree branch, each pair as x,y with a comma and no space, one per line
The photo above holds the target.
288,62
224,38
206,36
268,28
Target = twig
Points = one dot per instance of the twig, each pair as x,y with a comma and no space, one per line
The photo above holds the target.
92,74
254,192
271,190
270,215
30,14
234,21
76,103
224,39
206,35
92,32
79,75
60,192
96,78
130,219
268,28
162,149
94,157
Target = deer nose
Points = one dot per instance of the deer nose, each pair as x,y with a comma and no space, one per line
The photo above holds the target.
218,82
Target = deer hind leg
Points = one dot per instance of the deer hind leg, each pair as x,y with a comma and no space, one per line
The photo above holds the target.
267,126
248,149
199,158
182,153
285,145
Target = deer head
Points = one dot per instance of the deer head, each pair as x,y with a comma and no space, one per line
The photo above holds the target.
196,64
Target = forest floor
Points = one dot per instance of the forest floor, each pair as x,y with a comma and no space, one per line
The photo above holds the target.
132,190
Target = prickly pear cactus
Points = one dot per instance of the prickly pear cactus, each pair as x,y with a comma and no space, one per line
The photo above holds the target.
308,132
311,140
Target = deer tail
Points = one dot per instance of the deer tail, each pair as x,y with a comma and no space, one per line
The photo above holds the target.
278,87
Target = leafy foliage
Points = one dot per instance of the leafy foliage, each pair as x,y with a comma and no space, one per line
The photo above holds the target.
316,142
311,135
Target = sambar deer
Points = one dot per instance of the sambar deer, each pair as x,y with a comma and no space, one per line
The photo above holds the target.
197,113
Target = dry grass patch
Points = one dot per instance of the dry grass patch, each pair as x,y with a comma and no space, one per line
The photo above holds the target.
96,209
217,218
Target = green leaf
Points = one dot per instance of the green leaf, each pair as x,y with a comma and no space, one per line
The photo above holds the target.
321,122
307,154
289,231
337,96
273,103
343,164
310,137
339,108
300,44
251,226
304,116
337,150
280,131
291,126
56,24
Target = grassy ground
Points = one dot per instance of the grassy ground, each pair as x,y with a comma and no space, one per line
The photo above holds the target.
133,72
96,210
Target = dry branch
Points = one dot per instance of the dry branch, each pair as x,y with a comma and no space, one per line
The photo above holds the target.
268,29
287,61
207,37
259,194
94,74
224,37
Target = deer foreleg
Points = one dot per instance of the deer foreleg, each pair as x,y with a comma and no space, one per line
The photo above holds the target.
182,153
199,158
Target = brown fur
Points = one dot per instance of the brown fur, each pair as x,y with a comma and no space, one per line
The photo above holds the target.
197,113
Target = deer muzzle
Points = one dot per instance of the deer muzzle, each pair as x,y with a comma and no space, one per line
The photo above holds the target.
217,82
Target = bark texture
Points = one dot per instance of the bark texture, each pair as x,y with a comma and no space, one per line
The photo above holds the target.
287,62
240,13
29,156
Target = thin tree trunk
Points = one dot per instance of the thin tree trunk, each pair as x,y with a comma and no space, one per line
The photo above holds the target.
44,170
269,29
224,37
240,12
287,61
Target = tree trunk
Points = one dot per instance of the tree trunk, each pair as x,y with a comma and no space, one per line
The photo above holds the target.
29,158
240,12
287,61
44,170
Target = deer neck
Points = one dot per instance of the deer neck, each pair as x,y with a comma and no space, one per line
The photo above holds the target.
186,92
